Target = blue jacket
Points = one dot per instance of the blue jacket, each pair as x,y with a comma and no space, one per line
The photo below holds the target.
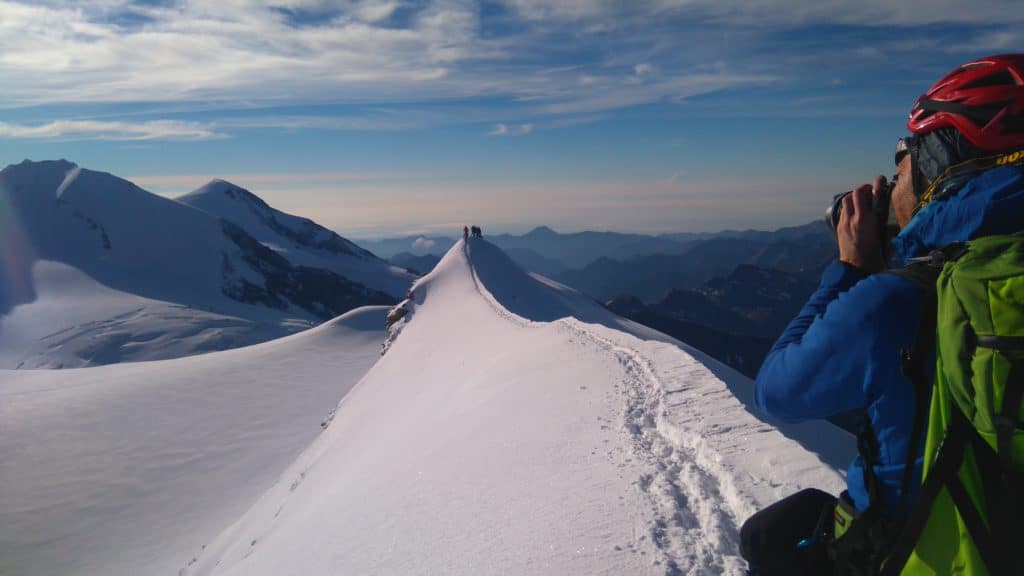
842,351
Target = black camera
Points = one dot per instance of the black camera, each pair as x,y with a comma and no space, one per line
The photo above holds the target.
880,206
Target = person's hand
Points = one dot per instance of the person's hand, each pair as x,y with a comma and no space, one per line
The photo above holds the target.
859,231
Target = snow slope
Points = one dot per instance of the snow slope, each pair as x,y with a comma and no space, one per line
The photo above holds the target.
501,434
300,240
174,279
131,468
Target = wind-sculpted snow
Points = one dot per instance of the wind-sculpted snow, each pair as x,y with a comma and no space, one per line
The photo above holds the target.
130,469
502,434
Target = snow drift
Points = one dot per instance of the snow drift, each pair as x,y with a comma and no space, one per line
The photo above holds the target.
516,427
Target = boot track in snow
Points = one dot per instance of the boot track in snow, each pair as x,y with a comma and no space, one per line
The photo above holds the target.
691,528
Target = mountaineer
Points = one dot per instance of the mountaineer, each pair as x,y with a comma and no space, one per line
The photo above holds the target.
866,340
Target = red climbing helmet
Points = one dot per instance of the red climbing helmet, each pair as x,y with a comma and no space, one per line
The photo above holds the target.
983,99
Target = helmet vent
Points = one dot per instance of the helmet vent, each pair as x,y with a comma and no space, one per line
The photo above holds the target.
982,115
1014,124
1000,78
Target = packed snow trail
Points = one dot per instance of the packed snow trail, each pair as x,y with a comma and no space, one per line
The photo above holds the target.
501,434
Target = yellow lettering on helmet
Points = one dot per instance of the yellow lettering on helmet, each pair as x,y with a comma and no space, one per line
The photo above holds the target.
1009,158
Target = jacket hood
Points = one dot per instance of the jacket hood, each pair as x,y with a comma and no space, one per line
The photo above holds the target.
988,203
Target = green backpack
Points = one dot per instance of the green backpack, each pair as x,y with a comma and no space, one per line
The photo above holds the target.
967,517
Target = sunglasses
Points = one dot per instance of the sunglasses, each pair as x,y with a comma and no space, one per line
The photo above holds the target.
904,146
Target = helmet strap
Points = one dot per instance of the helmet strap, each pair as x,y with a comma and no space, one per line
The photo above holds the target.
915,168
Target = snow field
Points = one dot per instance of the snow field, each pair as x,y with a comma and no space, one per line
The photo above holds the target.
74,321
133,468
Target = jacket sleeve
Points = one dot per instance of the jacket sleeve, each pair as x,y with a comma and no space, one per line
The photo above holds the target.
826,360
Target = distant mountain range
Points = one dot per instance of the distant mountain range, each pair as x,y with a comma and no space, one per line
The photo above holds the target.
97,270
544,245
730,293
649,277
417,264
734,318
605,264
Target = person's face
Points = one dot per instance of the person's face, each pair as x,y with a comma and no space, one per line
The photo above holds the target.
903,199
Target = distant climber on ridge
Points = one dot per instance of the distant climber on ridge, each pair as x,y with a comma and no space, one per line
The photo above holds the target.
866,340
465,233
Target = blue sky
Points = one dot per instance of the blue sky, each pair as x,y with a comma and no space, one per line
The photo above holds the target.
408,116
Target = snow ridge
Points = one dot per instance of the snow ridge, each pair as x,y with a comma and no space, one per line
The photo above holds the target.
697,502
517,427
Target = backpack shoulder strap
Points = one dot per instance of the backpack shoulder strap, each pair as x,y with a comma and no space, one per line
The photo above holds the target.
865,535
912,360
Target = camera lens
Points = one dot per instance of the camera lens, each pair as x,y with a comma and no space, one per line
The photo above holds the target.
835,210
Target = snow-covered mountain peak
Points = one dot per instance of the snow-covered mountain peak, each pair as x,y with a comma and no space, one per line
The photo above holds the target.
234,203
144,258
299,239
222,188
42,167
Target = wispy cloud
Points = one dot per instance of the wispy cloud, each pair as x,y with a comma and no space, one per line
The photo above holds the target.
539,61
423,243
305,52
365,121
101,130
772,12
513,130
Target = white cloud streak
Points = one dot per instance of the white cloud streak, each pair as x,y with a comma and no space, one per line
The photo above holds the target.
775,12
101,130
244,54
241,51
514,130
